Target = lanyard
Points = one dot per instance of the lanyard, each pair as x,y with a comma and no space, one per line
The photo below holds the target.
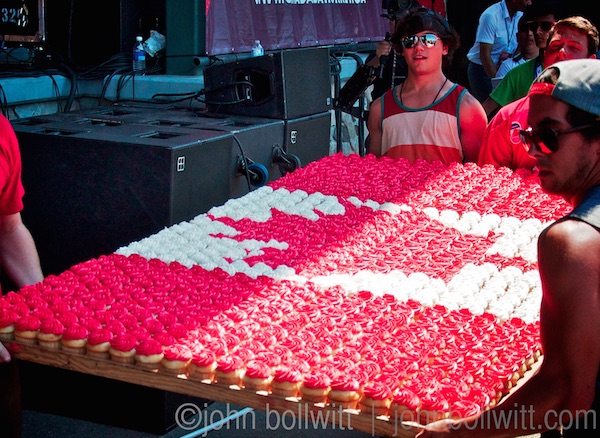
511,34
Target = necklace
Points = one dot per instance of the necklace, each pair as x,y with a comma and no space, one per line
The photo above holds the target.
434,99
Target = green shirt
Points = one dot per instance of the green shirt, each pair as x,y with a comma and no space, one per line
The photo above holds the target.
515,84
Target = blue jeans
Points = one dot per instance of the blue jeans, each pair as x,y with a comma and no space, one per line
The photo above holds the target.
480,84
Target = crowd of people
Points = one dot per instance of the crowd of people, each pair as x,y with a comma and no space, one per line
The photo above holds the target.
544,116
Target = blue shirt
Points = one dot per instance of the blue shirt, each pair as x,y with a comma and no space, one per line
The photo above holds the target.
498,28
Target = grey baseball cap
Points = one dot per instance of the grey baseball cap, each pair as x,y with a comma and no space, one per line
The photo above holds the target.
576,82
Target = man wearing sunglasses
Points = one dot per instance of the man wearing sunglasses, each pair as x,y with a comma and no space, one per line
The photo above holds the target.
539,19
427,116
526,50
495,40
564,139
570,38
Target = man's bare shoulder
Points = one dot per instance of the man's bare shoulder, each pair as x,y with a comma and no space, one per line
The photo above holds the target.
572,236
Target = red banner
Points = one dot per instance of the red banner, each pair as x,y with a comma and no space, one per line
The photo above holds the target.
232,26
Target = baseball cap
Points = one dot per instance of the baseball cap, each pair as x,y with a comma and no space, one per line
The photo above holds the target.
576,82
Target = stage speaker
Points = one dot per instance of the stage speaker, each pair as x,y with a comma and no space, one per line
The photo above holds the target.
280,85
92,188
254,138
308,137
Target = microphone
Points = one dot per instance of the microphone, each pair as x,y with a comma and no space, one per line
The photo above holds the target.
382,62
383,59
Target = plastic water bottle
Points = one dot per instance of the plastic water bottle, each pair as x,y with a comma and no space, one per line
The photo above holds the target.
257,49
139,55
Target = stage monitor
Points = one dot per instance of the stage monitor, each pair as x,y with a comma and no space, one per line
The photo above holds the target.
281,85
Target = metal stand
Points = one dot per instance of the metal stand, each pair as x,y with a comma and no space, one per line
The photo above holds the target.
346,97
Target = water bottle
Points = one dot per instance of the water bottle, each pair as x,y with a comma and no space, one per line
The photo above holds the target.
139,55
257,49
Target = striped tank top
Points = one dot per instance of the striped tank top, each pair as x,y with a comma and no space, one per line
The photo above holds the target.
430,133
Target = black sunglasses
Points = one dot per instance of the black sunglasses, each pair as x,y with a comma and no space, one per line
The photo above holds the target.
533,26
428,40
546,138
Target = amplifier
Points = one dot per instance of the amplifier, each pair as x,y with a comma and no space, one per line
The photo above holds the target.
281,85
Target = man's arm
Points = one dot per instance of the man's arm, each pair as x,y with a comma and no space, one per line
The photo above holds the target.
383,48
485,53
569,265
18,254
491,107
472,126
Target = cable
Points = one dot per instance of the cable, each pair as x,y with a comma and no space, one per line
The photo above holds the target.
244,160
72,91
217,424
4,102
335,66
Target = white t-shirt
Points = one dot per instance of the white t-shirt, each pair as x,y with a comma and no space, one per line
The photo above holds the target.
508,64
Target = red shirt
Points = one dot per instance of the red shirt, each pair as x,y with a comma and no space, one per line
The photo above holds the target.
11,188
501,144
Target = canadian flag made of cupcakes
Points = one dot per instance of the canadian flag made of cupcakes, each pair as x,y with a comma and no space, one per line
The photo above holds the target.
375,284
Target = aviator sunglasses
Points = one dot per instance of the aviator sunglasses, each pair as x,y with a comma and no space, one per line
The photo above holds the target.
533,26
546,138
428,40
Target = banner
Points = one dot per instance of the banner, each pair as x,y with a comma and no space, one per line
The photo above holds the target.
232,26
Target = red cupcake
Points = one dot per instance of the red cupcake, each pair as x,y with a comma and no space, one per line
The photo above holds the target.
345,391
229,370
258,375
203,364
315,387
376,398
176,359
7,324
122,348
148,353
50,333
286,381
98,343
74,339
26,329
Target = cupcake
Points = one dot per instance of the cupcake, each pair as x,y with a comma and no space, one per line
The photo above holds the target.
286,382
229,370
74,339
7,324
50,333
345,392
98,343
202,365
26,329
405,405
176,359
315,387
433,408
258,376
122,348
376,399
149,353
